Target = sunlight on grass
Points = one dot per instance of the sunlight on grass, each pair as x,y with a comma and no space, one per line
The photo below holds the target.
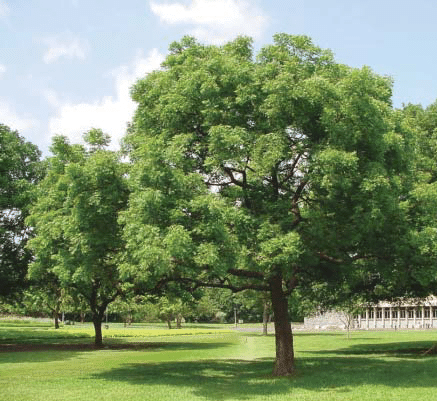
19,332
225,366
140,332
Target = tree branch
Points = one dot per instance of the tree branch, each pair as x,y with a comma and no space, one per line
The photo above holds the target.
229,171
246,274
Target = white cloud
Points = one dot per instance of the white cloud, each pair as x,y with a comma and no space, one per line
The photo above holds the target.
52,98
2,70
111,113
10,117
214,21
4,9
64,45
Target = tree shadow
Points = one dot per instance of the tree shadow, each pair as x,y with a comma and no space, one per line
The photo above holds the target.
40,352
243,380
396,349
318,334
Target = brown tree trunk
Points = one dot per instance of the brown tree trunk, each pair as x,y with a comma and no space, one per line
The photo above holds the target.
56,320
98,339
179,321
284,363
265,317
169,324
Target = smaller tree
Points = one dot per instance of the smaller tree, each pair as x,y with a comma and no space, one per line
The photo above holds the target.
349,309
131,308
47,300
214,305
171,309
75,215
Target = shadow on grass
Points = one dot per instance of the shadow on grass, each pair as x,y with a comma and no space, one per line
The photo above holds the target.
243,380
396,349
19,353
318,334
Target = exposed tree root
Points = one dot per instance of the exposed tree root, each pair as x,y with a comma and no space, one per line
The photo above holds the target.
431,351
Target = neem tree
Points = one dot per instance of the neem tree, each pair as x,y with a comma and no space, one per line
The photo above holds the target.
265,174
20,170
78,239
421,204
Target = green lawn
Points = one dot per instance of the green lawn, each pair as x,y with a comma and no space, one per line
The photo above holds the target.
225,365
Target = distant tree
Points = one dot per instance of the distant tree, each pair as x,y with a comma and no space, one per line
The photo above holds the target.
131,308
214,305
172,309
268,173
48,300
20,170
77,236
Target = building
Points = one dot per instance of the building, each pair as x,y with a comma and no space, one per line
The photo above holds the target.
405,314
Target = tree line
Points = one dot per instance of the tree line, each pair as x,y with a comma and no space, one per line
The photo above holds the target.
283,172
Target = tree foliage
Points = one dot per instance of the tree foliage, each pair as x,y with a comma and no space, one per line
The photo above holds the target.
420,204
78,238
269,173
20,170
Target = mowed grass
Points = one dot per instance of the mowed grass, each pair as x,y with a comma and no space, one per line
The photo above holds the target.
220,365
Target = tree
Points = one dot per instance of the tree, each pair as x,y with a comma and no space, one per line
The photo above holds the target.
213,305
78,238
132,307
418,276
20,170
171,309
47,300
270,173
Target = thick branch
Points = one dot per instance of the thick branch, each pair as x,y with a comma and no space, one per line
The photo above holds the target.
331,259
295,202
246,274
230,174
328,258
222,284
215,282
291,169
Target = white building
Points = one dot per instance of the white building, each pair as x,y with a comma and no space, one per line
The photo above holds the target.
405,314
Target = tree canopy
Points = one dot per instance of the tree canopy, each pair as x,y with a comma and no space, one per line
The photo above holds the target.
20,170
267,172
78,239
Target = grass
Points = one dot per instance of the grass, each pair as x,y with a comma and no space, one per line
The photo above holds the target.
222,366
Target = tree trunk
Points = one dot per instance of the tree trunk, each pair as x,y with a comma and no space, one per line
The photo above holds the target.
265,317
284,363
169,324
98,339
56,320
179,321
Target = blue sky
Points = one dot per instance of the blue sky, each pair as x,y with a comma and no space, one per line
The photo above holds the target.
67,65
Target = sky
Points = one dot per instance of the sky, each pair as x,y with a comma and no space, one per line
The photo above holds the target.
67,65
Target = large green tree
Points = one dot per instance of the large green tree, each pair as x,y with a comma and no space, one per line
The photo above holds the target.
420,277
78,239
20,169
268,173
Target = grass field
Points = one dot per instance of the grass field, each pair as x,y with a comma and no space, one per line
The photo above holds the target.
204,364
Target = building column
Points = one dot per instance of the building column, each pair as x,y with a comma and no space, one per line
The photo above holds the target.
367,318
375,310
399,317
390,310
423,317
383,317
